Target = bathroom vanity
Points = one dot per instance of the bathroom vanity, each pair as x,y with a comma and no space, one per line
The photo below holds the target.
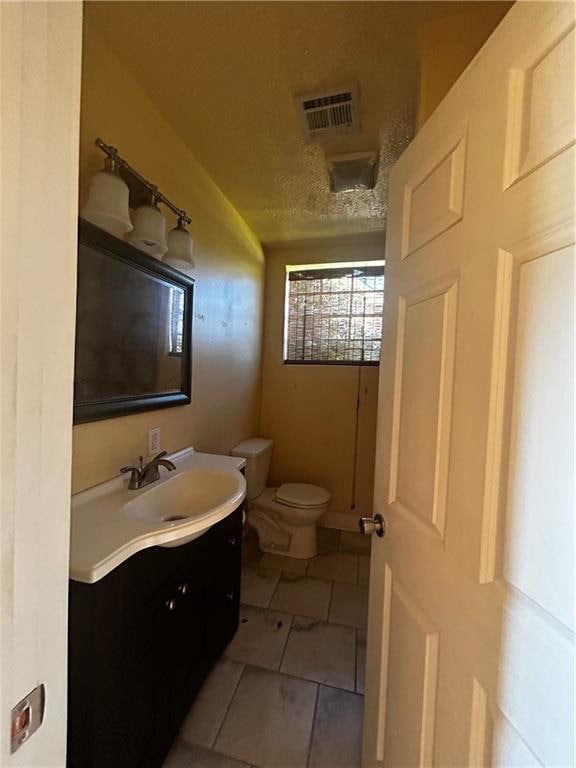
144,634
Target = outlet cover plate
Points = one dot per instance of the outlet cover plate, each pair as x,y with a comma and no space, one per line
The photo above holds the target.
154,441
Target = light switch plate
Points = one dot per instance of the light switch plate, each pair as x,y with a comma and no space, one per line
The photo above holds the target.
154,441
27,717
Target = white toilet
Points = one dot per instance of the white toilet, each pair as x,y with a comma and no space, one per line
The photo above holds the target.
285,518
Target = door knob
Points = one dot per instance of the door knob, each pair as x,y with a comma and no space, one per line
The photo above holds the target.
370,525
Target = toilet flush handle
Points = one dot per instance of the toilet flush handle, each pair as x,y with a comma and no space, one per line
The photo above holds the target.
370,525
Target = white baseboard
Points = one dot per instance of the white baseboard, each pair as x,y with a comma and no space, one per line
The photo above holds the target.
340,520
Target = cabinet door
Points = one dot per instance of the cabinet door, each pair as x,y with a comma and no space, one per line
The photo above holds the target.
112,685
224,587
181,636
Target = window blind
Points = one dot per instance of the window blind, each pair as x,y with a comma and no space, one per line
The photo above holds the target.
334,314
176,321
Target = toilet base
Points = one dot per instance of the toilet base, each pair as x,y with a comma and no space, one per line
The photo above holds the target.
277,538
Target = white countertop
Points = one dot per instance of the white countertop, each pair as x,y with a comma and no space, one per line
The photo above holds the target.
102,536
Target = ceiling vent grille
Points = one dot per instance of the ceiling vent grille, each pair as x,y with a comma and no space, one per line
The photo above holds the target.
328,113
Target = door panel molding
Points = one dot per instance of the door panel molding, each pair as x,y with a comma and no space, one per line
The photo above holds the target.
447,290
500,341
434,200
384,661
501,408
416,631
480,722
491,730
529,143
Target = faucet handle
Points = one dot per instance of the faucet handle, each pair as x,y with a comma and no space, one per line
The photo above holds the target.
135,475
129,469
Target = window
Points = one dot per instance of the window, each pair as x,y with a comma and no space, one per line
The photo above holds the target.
176,325
333,313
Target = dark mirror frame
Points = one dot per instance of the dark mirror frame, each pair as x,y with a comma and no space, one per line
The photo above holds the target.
117,249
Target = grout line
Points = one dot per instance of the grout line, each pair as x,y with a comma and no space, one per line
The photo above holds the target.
240,676
274,591
330,601
286,643
296,677
309,750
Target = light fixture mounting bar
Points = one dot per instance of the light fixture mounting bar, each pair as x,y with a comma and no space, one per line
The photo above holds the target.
112,153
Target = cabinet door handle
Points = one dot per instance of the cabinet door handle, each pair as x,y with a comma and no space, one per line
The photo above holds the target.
183,589
232,541
171,604
230,595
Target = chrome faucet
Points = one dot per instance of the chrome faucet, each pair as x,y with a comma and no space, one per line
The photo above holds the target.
147,473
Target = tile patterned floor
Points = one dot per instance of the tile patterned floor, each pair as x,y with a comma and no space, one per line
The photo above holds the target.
288,693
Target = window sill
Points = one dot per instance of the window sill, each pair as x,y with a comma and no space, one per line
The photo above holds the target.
355,363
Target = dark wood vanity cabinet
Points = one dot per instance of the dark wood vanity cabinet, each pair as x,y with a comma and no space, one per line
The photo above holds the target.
141,642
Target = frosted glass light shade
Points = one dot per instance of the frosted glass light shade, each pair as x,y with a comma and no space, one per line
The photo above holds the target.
180,246
181,266
149,234
107,205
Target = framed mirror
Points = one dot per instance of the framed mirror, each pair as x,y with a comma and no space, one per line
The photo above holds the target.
133,330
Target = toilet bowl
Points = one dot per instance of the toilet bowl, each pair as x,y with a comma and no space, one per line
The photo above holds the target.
285,517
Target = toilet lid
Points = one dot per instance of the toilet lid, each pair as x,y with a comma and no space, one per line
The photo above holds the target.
302,495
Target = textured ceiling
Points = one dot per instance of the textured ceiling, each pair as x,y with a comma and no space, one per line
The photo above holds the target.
224,74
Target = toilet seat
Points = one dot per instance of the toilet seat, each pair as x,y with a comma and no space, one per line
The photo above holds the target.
302,495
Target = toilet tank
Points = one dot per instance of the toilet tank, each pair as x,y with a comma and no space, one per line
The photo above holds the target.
258,452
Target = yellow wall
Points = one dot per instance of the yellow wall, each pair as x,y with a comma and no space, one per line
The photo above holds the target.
447,46
310,410
229,279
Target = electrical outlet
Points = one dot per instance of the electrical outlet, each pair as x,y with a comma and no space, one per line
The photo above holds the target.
154,441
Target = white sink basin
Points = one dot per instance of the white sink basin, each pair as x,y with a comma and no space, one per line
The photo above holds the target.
110,522
194,494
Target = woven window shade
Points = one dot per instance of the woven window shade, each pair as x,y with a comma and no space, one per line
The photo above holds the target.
334,315
176,321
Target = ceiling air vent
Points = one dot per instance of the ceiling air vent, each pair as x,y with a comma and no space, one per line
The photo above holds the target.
352,172
328,113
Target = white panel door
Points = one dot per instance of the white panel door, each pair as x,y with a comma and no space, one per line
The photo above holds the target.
470,639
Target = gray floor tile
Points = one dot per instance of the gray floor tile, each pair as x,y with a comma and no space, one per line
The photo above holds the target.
355,543
328,540
303,595
205,718
336,566
194,756
261,637
284,563
258,585
349,605
360,660
322,652
251,552
363,569
269,722
337,737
